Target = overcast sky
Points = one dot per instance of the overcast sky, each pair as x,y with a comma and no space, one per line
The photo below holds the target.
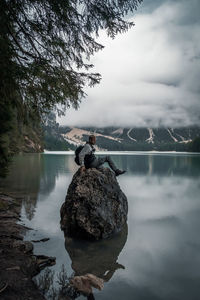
151,74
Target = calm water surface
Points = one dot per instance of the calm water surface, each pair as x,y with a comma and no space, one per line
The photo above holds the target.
157,256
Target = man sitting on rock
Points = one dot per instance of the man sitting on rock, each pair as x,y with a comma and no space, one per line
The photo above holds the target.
87,159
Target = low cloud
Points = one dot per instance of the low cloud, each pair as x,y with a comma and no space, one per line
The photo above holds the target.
150,74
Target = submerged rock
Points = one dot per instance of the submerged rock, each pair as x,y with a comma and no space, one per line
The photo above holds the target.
85,283
95,207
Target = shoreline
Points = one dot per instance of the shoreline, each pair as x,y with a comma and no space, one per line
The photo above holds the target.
152,152
18,263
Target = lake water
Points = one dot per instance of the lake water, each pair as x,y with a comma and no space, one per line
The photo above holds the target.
157,256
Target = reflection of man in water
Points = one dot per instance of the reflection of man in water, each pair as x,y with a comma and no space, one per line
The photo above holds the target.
87,158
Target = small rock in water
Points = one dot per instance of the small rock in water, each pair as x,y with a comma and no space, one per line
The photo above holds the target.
95,207
85,283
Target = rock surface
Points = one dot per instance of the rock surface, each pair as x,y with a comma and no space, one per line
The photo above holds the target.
95,207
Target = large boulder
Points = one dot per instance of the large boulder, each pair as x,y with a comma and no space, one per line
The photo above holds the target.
95,207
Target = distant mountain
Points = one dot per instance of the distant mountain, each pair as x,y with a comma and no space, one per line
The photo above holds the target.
112,138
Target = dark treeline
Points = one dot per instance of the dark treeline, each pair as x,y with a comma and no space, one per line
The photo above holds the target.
43,46
53,139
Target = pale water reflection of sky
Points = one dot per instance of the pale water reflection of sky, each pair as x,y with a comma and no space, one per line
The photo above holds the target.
160,254
48,212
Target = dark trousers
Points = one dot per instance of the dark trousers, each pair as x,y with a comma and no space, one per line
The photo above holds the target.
98,163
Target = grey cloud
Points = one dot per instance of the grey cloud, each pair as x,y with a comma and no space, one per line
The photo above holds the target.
150,74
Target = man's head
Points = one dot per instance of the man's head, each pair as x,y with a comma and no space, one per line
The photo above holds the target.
92,139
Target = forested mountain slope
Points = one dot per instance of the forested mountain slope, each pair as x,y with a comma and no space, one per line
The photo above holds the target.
112,138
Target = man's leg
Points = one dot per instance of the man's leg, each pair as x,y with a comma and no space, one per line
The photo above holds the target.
98,164
102,160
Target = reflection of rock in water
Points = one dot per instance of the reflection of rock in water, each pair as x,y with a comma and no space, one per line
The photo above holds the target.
98,258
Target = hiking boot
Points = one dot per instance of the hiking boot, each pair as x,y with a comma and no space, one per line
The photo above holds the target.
119,172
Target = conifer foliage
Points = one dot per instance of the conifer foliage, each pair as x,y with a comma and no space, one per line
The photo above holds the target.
48,41
45,48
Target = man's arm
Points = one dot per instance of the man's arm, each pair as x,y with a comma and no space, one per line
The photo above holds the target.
86,150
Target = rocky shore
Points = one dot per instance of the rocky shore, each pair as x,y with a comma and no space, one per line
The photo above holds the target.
18,264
